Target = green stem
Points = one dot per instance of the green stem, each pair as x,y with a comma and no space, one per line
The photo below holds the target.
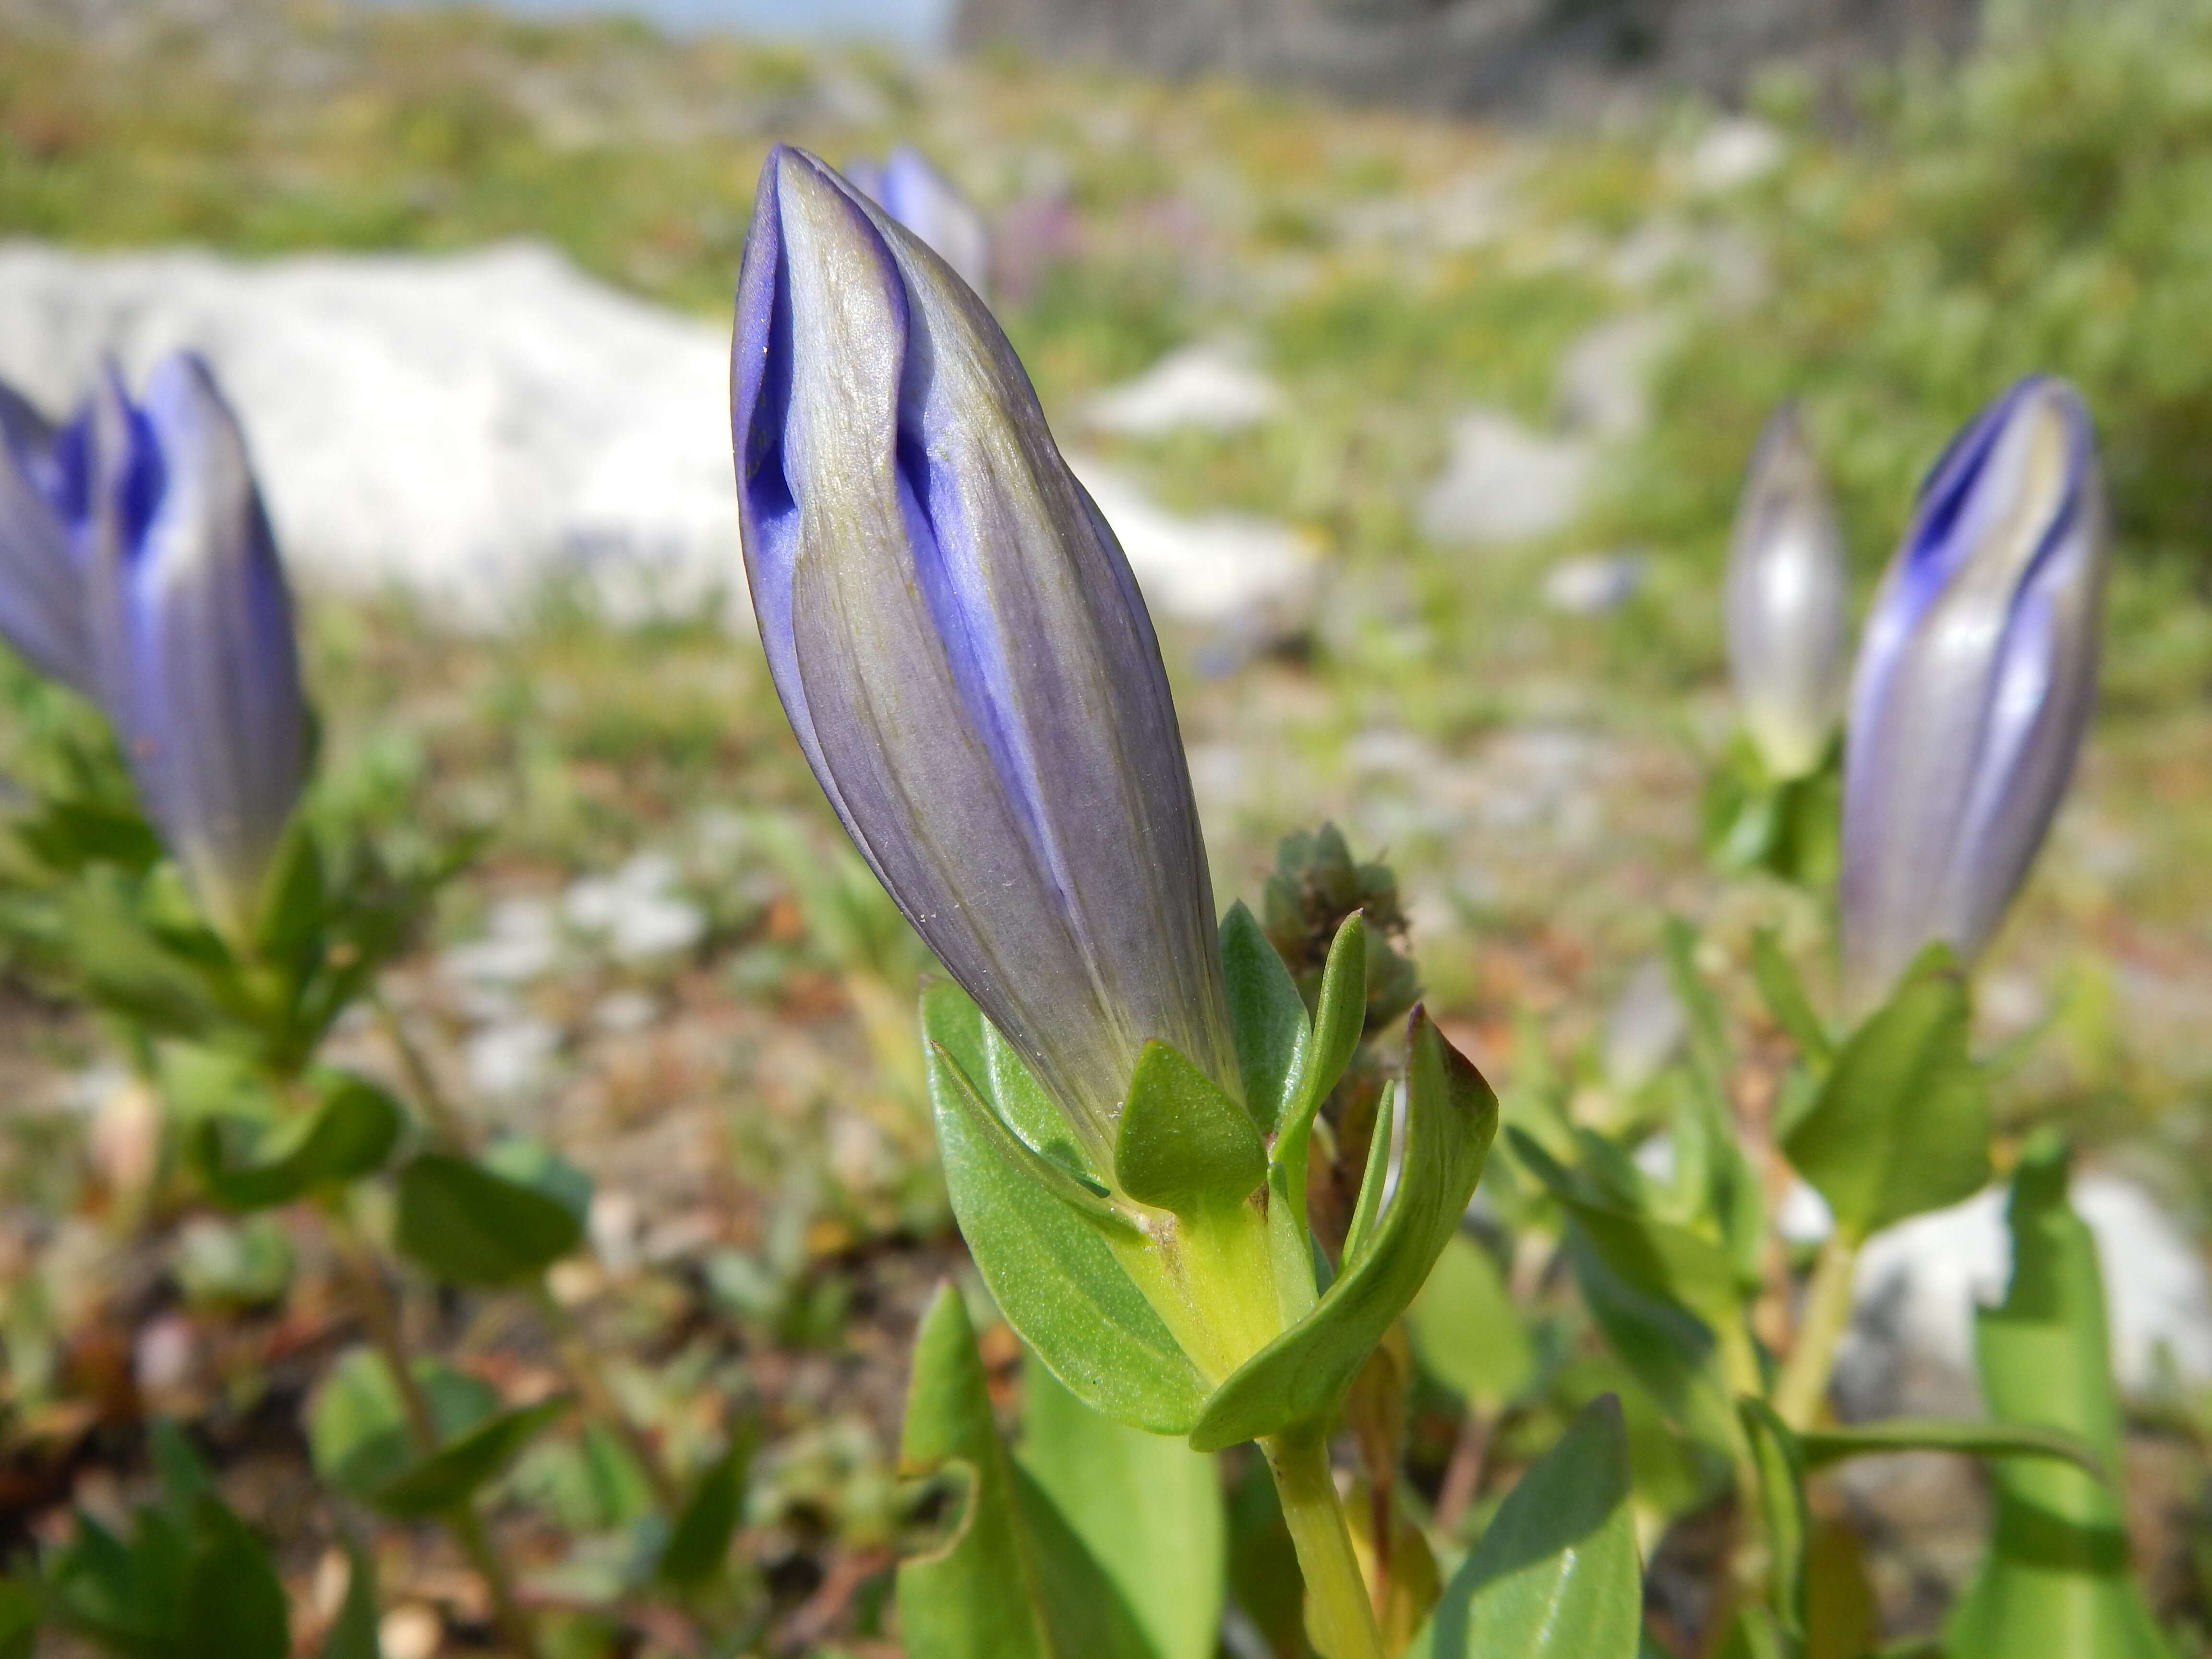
1339,1618
1804,1382
446,1123
381,1315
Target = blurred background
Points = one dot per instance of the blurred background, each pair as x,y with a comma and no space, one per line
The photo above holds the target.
1414,347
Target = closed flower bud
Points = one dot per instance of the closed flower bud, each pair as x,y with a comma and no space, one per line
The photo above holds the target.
961,649
927,203
191,626
1788,601
43,510
1974,685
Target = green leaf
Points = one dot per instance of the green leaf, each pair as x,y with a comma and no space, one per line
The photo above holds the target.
978,1597
1823,1447
1783,993
19,1621
1145,1509
1368,1206
1049,1268
294,901
348,1135
472,1226
1901,1126
1342,1018
1086,1197
1779,1465
1708,1024
1655,1256
1555,1575
448,1477
1467,1332
233,1606
1667,1349
699,1543
357,1427
353,1633
1302,1376
2056,1583
1183,1145
1275,1037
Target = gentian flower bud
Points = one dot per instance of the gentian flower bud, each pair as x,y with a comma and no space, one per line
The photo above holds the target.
962,651
1787,599
43,509
930,205
1974,685
191,627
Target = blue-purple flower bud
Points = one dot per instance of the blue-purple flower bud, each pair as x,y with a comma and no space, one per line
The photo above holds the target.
1974,685
961,650
930,205
1788,602
192,629
45,505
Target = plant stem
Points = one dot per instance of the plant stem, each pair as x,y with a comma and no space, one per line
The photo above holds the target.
1339,1617
446,1123
583,1365
1464,1475
1820,1327
381,1315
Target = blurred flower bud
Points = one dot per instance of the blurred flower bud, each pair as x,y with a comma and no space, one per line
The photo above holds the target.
191,627
927,203
962,651
1974,685
1788,601
43,508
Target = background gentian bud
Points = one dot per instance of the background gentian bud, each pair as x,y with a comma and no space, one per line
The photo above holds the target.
930,205
192,626
1974,685
962,651
43,508
1788,600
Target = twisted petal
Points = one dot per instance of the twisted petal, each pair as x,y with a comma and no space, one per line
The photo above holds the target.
1974,685
41,582
961,649
193,631
1787,600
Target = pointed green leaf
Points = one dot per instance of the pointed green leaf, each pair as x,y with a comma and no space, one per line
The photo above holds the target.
978,1597
1374,1178
699,1543
1901,1126
1467,1332
1183,1145
1555,1575
451,1474
1779,1465
1667,1349
1275,1037
1708,1024
233,1606
2057,1584
1049,1268
358,1428
471,1225
1342,1018
354,1633
349,1135
1783,993
1083,1197
1302,1376
1146,1509
1024,1107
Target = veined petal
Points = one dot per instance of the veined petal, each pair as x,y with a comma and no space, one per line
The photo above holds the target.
195,630
960,645
1967,720
41,581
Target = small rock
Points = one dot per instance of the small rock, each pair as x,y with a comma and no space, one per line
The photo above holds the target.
511,1056
1605,378
1912,1344
410,1632
521,942
615,1225
1733,151
633,910
1505,482
1645,1029
1594,583
1208,386
167,1352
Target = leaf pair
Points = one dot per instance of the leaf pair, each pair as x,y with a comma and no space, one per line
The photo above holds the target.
351,1131
364,1442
